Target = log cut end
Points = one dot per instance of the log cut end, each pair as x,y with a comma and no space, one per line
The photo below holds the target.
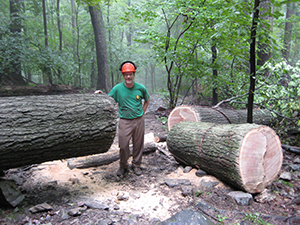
182,113
260,158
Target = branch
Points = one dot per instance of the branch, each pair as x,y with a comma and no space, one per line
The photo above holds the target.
238,96
229,100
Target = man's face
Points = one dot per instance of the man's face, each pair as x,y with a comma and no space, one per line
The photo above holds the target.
128,77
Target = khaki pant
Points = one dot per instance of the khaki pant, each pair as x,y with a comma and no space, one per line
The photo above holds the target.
135,129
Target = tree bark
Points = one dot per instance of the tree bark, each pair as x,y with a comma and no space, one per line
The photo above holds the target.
59,34
101,47
35,129
252,62
215,72
264,49
13,74
288,28
221,116
247,156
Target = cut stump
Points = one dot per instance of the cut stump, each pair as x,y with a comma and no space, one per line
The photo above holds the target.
247,156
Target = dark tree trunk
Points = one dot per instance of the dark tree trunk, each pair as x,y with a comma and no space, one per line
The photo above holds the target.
247,156
36,129
252,62
101,48
60,34
221,116
215,74
47,75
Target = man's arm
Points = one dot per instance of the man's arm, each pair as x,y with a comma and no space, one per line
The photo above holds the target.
146,103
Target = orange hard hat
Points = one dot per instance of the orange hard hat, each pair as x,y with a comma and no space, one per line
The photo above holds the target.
128,67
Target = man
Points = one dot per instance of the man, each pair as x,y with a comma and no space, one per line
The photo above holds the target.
129,95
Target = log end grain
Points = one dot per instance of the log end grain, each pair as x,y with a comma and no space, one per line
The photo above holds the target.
182,113
260,159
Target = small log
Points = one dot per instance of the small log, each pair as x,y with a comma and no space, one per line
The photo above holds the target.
247,156
105,158
36,129
292,149
158,139
221,116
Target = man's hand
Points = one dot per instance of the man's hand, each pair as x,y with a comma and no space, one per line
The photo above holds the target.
98,92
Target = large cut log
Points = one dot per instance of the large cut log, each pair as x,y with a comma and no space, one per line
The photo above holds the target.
213,115
35,129
247,156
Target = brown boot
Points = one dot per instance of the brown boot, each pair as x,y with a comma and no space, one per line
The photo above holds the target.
122,171
137,170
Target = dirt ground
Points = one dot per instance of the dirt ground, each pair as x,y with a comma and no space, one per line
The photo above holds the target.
144,199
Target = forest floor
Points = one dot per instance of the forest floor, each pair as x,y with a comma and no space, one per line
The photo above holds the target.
145,199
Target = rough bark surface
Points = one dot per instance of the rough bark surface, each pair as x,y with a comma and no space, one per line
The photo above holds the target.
247,156
35,129
221,116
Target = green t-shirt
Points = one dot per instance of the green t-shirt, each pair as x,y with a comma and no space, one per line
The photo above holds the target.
129,99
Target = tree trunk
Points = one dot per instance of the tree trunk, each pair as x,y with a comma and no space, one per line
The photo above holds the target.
221,116
252,62
288,28
59,34
247,156
111,68
215,72
14,73
47,74
264,49
101,48
35,129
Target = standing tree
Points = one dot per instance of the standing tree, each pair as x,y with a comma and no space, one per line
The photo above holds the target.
264,49
252,62
59,33
101,48
13,73
288,31
47,75
215,71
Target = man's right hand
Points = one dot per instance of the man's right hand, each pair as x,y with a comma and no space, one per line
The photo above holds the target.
98,92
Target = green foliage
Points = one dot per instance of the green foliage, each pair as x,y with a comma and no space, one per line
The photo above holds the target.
173,37
163,119
287,183
282,90
198,193
221,219
254,218
280,93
